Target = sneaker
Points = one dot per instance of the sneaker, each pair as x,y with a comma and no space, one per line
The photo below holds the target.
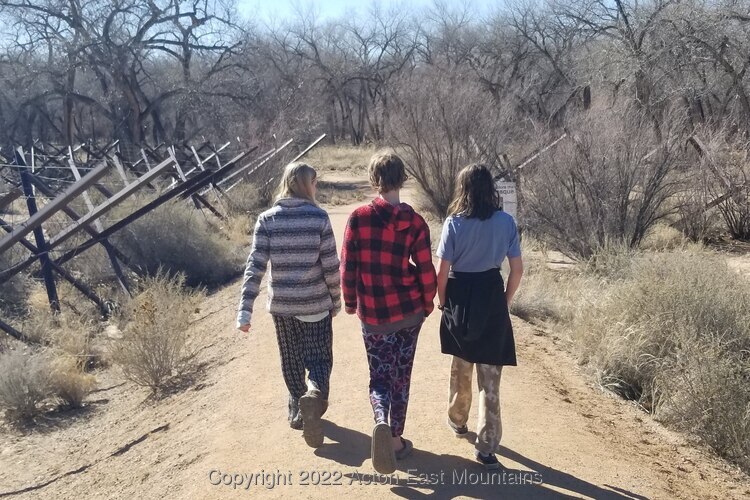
383,456
405,451
311,407
295,417
489,461
459,430
296,422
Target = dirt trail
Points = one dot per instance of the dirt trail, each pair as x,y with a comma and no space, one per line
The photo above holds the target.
558,428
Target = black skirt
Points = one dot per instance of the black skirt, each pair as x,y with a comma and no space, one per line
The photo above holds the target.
476,323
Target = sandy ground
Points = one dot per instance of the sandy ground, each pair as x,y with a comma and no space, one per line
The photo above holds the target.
563,437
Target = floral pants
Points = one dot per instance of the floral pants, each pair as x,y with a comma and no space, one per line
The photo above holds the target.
390,358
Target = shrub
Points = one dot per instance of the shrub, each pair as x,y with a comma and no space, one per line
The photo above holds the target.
14,292
610,261
155,346
674,335
71,331
69,382
537,299
24,385
244,199
736,213
608,183
663,237
442,122
706,391
175,238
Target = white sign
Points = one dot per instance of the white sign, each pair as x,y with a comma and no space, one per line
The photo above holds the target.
508,200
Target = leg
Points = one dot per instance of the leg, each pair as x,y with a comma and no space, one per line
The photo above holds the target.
459,402
292,360
404,348
380,360
490,428
318,343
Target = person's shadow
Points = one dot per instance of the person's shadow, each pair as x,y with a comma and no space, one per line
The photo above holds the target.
451,476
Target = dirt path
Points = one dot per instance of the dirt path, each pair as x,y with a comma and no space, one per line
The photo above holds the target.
562,437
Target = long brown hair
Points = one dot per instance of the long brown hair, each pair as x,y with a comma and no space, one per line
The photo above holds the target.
475,195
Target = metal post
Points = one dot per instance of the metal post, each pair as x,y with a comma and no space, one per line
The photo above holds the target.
41,244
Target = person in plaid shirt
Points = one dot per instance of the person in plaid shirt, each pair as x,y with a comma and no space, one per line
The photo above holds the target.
389,280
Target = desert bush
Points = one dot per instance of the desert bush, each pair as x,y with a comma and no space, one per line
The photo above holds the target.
725,162
68,381
706,392
736,212
441,123
674,334
537,298
176,238
662,237
24,385
14,292
611,261
244,199
607,184
71,331
155,346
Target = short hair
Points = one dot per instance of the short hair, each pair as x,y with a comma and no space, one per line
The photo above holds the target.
387,171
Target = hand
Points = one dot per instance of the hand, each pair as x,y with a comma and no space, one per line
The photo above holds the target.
334,313
351,310
245,328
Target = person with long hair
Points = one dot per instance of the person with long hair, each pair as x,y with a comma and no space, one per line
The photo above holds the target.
389,280
304,293
475,328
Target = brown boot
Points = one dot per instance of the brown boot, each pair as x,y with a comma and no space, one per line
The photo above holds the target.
311,406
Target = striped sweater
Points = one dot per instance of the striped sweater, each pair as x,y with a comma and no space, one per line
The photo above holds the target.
296,237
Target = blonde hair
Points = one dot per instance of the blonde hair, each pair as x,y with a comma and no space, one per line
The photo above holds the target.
297,182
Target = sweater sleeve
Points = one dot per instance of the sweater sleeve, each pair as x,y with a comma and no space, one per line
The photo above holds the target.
349,267
256,266
330,262
421,255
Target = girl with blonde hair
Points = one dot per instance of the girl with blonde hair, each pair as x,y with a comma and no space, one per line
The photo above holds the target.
296,238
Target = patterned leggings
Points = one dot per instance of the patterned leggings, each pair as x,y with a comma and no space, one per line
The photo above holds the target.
390,358
305,346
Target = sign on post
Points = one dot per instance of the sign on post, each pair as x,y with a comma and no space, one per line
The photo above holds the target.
508,198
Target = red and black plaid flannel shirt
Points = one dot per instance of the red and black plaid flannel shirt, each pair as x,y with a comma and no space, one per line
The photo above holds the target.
378,280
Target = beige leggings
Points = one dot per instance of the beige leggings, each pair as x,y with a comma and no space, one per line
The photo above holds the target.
489,428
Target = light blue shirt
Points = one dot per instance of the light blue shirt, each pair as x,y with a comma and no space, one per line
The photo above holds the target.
473,245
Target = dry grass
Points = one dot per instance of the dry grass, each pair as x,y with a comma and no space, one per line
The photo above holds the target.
549,295
340,158
663,237
155,347
72,332
339,193
673,334
69,382
24,385
244,199
176,238
14,292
